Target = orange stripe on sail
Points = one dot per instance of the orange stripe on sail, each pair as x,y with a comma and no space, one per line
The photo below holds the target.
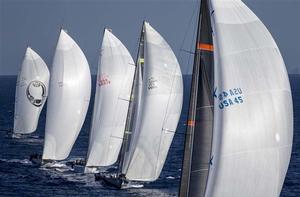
205,47
191,123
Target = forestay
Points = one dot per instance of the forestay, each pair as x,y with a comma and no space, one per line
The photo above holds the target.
253,123
69,96
31,92
161,103
113,88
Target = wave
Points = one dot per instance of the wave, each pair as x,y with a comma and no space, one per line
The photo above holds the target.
21,161
170,177
133,185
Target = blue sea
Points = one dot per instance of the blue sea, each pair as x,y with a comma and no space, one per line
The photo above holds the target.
19,177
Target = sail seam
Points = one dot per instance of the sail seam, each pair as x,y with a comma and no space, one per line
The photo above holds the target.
256,150
248,50
171,131
264,92
116,137
207,106
201,170
123,99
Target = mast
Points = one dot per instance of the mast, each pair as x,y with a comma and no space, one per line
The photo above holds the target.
199,133
133,100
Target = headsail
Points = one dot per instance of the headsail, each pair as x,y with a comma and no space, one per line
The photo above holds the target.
253,115
161,104
69,96
113,88
31,92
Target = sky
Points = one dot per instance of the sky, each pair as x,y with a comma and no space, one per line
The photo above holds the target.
37,23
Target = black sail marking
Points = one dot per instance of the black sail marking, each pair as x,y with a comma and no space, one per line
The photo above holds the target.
199,134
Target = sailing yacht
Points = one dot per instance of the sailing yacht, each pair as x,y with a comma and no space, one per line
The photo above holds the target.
69,96
240,124
153,113
116,70
31,93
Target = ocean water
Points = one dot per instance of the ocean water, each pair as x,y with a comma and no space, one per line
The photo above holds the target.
19,177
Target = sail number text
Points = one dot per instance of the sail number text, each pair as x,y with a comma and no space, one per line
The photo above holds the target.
228,98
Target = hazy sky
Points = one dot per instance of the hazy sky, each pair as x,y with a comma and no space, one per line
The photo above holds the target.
37,23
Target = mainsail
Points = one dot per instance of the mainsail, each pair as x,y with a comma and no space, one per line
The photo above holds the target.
159,111
113,89
134,107
69,96
198,142
31,92
253,115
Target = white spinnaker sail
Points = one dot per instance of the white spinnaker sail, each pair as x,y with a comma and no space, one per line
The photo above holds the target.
253,134
113,89
31,92
69,96
161,104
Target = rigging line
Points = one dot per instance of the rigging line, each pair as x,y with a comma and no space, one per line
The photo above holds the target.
19,71
167,108
192,44
192,40
190,52
54,49
195,35
64,9
120,92
186,32
94,62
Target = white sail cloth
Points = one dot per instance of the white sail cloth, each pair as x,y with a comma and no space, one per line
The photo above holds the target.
161,103
253,125
113,89
31,92
69,96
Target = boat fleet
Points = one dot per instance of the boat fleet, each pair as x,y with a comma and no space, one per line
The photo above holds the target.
136,110
240,120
